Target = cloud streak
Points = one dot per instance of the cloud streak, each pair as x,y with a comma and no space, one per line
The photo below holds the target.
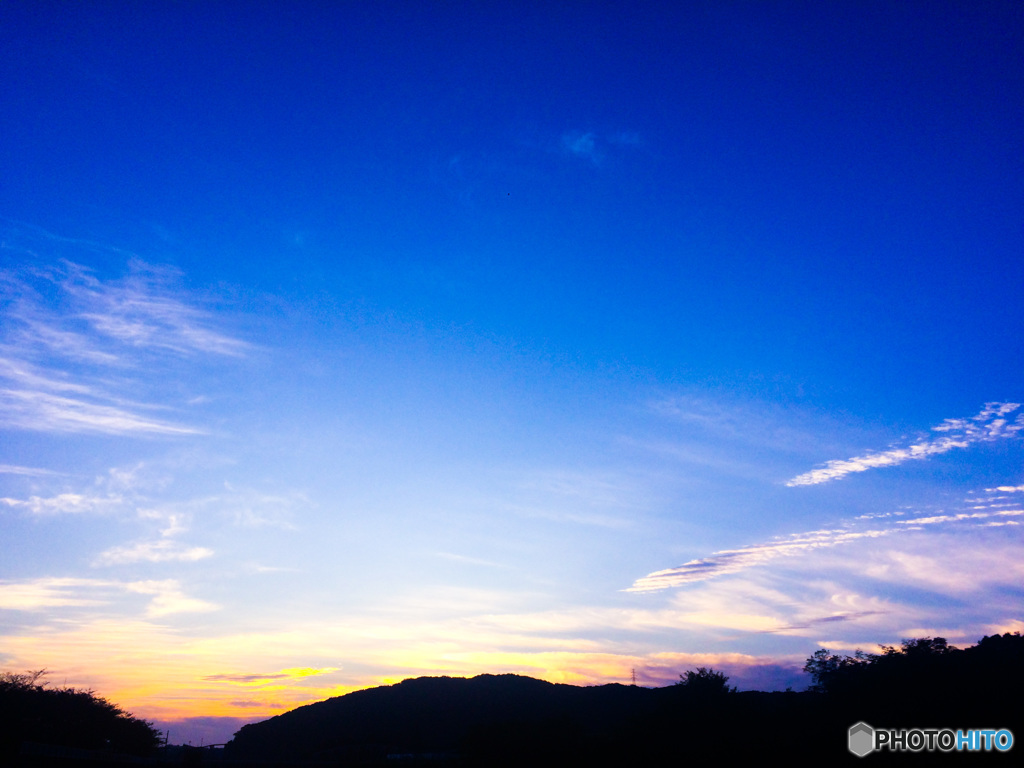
160,551
296,673
166,596
734,560
14,469
44,412
987,426
40,594
74,344
729,561
141,311
63,503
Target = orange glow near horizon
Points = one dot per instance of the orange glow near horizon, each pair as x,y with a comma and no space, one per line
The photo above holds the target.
152,672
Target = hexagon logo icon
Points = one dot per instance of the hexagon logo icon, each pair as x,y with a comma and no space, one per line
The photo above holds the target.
861,739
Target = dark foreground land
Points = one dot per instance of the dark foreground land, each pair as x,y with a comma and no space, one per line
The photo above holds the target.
509,720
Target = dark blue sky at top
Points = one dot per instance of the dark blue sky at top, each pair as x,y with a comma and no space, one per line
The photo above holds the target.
822,197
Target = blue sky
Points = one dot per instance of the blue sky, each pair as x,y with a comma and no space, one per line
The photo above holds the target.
342,343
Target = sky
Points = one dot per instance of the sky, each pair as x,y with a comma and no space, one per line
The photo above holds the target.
342,343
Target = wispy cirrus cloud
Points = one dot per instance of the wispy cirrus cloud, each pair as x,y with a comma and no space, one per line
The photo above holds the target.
14,469
21,373
992,518
143,310
987,426
42,411
76,347
734,560
872,526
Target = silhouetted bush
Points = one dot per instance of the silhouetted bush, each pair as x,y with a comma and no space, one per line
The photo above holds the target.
705,682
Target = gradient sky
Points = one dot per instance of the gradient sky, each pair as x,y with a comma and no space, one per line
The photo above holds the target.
348,342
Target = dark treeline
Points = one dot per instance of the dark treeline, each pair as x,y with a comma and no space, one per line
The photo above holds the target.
34,713
510,720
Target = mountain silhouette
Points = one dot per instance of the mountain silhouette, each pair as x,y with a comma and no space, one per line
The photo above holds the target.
510,714
511,720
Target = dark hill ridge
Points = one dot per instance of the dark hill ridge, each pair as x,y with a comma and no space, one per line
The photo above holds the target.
510,720
440,714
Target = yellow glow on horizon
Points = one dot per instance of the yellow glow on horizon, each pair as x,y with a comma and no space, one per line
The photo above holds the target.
157,671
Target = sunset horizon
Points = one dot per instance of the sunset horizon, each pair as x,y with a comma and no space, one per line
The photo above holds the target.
346,343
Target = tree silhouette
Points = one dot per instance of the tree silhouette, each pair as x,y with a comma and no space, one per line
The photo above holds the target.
69,717
705,682
829,670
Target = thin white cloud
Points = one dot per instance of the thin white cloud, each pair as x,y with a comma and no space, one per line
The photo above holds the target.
63,503
175,522
257,568
119,490
760,603
75,344
42,411
159,551
24,374
953,565
164,549
166,596
66,343
40,594
143,311
731,561
735,560
956,433
13,469
931,520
